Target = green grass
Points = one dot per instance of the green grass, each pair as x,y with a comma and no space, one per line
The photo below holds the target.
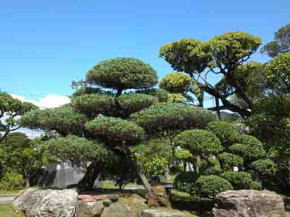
6,210
15,192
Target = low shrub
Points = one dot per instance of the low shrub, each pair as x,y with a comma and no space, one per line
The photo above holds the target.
210,186
256,185
11,180
228,160
211,166
225,131
239,180
184,181
264,167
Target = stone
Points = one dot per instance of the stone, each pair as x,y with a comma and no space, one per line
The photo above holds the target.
114,197
116,210
159,190
47,203
90,209
160,212
88,197
107,202
249,203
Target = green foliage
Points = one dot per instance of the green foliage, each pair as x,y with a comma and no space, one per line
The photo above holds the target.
270,123
11,180
210,166
209,186
256,185
153,156
116,131
12,108
94,104
122,73
278,73
228,160
172,116
249,152
187,55
156,166
198,142
225,131
19,154
87,90
185,182
251,77
63,119
239,180
161,94
176,82
182,154
71,148
281,43
264,167
176,97
232,45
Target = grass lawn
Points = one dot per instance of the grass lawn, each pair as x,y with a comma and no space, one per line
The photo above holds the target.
6,210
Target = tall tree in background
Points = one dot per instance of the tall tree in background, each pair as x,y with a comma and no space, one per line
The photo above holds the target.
280,44
10,110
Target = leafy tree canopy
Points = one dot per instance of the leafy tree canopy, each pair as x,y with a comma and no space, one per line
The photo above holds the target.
10,109
281,43
175,82
172,116
71,148
63,119
278,73
122,73
198,142
116,131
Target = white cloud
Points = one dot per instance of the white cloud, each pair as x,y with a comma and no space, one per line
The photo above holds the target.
48,101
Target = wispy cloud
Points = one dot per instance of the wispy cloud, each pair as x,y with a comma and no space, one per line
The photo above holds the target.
48,101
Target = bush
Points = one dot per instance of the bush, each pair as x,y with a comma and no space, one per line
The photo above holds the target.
161,94
225,131
122,73
239,180
11,180
172,116
210,186
264,167
156,166
62,119
116,131
249,152
198,142
228,160
211,166
176,82
256,185
185,182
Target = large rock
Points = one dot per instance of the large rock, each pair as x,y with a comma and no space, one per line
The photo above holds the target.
116,210
163,213
47,203
90,208
249,203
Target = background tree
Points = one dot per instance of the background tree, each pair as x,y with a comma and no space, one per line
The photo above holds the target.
20,154
280,44
10,110
221,55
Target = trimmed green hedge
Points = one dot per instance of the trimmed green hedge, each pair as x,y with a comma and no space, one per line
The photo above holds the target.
225,131
239,180
172,116
185,181
264,167
122,73
210,186
228,160
198,142
116,131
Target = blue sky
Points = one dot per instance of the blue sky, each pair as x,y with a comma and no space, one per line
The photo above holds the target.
44,45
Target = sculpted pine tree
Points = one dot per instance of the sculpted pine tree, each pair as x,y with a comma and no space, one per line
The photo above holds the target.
105,121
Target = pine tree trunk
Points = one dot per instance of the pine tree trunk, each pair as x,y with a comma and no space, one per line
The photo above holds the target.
87,182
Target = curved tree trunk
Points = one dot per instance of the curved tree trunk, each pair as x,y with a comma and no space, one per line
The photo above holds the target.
93,170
